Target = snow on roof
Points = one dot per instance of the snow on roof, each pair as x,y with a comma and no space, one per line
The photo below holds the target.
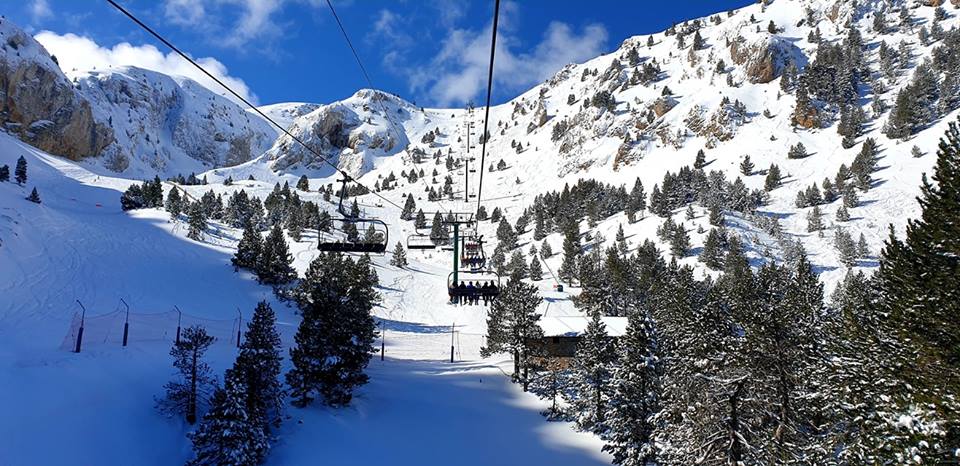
571,326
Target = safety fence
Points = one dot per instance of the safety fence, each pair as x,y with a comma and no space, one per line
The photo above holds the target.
123,327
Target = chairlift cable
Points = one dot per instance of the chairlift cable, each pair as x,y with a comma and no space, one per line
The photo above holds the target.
486,119
366,77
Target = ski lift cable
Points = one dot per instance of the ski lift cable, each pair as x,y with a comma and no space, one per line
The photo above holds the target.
366,77
241,98
486,118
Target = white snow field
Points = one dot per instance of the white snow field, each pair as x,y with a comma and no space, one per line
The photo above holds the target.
97,407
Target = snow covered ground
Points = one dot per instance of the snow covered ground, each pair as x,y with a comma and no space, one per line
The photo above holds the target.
99,404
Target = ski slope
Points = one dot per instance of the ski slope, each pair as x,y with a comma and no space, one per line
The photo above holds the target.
98,405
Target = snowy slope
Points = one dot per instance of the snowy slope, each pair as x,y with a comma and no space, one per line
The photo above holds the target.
285,113
99,404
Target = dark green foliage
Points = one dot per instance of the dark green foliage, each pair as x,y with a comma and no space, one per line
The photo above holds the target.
512,325
197,222
399,258
274,265
258,365
774,179
228,435
248,249
143,196
20,172
634,398
334,341
590,386
34,196
4,174
189,392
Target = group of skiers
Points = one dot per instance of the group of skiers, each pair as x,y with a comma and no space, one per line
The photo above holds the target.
470,293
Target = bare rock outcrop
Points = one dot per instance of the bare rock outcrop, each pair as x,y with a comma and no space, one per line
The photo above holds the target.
40,104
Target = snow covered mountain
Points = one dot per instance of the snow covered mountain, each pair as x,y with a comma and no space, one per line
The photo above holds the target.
648,108
124,120
169,125
284,113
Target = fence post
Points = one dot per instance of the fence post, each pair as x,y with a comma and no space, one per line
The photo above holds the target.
383,339
83,316
239,325
179,317
126,322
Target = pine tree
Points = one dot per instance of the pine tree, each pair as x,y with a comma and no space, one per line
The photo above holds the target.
189,392
174,204
571,252
259,366
746,166
633,401
697,41
248,249
274,265
680,241
408,208
712,253
773,179
590,376
20,172
420,221
295,222
437,231
797,151
34,196
844,244
228,435
303,184
716,216
814,219
536,270
399,258
546,250
506,234
700,161
197,222
512,325
539,225
334,341
843,214
916,307
621,241
4,173
517,266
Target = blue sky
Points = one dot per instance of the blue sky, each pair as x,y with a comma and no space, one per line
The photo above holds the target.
433,52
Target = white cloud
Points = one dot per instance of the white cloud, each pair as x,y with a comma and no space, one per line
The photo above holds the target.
40,9
185,12
249,20
78,53
457,73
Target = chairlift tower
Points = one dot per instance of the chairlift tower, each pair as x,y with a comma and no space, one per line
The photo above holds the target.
457,219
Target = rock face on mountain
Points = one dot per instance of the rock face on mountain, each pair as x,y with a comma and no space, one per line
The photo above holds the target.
763,59
39,103
348,134
170,125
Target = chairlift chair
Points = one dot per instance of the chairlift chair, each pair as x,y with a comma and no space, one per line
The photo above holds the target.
357,234
418,241
483,284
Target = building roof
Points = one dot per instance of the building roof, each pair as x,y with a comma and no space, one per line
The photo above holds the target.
572,326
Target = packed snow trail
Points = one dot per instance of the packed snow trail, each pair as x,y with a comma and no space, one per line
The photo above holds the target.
97,407
430,412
